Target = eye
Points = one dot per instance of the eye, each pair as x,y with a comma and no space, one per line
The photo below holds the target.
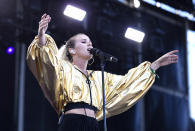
83,42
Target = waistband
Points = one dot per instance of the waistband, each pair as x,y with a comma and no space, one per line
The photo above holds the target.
76,105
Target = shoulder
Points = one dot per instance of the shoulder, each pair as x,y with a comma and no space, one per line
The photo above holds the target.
66,65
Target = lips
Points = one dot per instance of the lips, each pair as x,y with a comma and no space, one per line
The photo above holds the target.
89,49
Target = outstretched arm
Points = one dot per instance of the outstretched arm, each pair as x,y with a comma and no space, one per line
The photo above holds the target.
166,59
123,92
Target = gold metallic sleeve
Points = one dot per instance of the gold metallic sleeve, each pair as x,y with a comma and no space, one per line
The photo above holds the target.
122,92
45,66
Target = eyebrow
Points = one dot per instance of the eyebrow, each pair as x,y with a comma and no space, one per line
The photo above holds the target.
86,39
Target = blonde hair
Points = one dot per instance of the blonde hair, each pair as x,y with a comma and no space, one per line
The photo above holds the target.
63,52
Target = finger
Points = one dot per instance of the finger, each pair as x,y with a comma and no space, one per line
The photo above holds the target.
173,55
44,22
43,16
176,61
43,26
43,29
45,19
48,18
172,52
173,60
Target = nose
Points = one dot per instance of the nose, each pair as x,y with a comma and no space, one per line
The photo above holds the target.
90,43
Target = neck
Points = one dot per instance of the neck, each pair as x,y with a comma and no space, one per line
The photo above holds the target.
81,64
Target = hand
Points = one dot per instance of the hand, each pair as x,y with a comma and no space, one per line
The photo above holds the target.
166,59
43,25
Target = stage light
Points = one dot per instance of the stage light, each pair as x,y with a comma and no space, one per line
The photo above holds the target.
172,10
136,3
74,12
10,50
134,34
191,70
158,4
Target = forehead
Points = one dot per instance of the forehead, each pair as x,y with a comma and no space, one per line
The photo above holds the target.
82,37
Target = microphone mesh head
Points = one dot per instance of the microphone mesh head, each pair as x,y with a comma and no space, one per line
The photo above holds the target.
94,51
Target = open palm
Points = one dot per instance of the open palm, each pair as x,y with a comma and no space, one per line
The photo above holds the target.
168,58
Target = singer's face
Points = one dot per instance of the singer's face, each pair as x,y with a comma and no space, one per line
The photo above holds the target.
82,46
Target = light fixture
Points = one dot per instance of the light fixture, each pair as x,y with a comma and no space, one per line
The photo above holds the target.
136,3
158,4
10,50
172,10
134,34
191,70
74,12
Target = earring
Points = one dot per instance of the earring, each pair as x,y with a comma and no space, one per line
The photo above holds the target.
92,61
72,51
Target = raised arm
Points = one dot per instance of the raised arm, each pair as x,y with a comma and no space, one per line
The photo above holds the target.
43,62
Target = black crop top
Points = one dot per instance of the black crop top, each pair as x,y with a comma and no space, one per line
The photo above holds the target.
76,105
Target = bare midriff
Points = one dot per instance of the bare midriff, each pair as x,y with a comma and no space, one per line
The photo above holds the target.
82,111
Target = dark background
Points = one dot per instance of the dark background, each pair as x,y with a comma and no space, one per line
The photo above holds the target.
166,105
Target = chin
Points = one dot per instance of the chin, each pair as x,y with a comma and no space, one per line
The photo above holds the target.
89,58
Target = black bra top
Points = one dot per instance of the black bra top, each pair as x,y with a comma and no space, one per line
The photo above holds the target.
76,105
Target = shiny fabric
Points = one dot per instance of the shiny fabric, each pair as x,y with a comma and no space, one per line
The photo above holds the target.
62,82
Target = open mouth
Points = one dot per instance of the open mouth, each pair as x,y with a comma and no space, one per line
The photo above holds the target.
89,49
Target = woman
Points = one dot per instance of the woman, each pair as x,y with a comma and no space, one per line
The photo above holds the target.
75,92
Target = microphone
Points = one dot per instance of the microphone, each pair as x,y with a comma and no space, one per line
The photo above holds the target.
101,54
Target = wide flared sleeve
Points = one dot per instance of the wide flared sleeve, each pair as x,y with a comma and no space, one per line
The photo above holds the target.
122,92
46,67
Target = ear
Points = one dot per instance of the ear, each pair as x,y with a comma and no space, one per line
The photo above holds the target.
72,51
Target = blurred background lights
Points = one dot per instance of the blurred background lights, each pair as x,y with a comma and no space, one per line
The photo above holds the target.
191,70
158,4
136,3
10,50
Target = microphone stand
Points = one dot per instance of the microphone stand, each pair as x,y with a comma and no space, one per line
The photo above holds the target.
102,65
103,57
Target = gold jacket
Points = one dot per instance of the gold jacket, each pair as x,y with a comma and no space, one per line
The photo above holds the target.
62,82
